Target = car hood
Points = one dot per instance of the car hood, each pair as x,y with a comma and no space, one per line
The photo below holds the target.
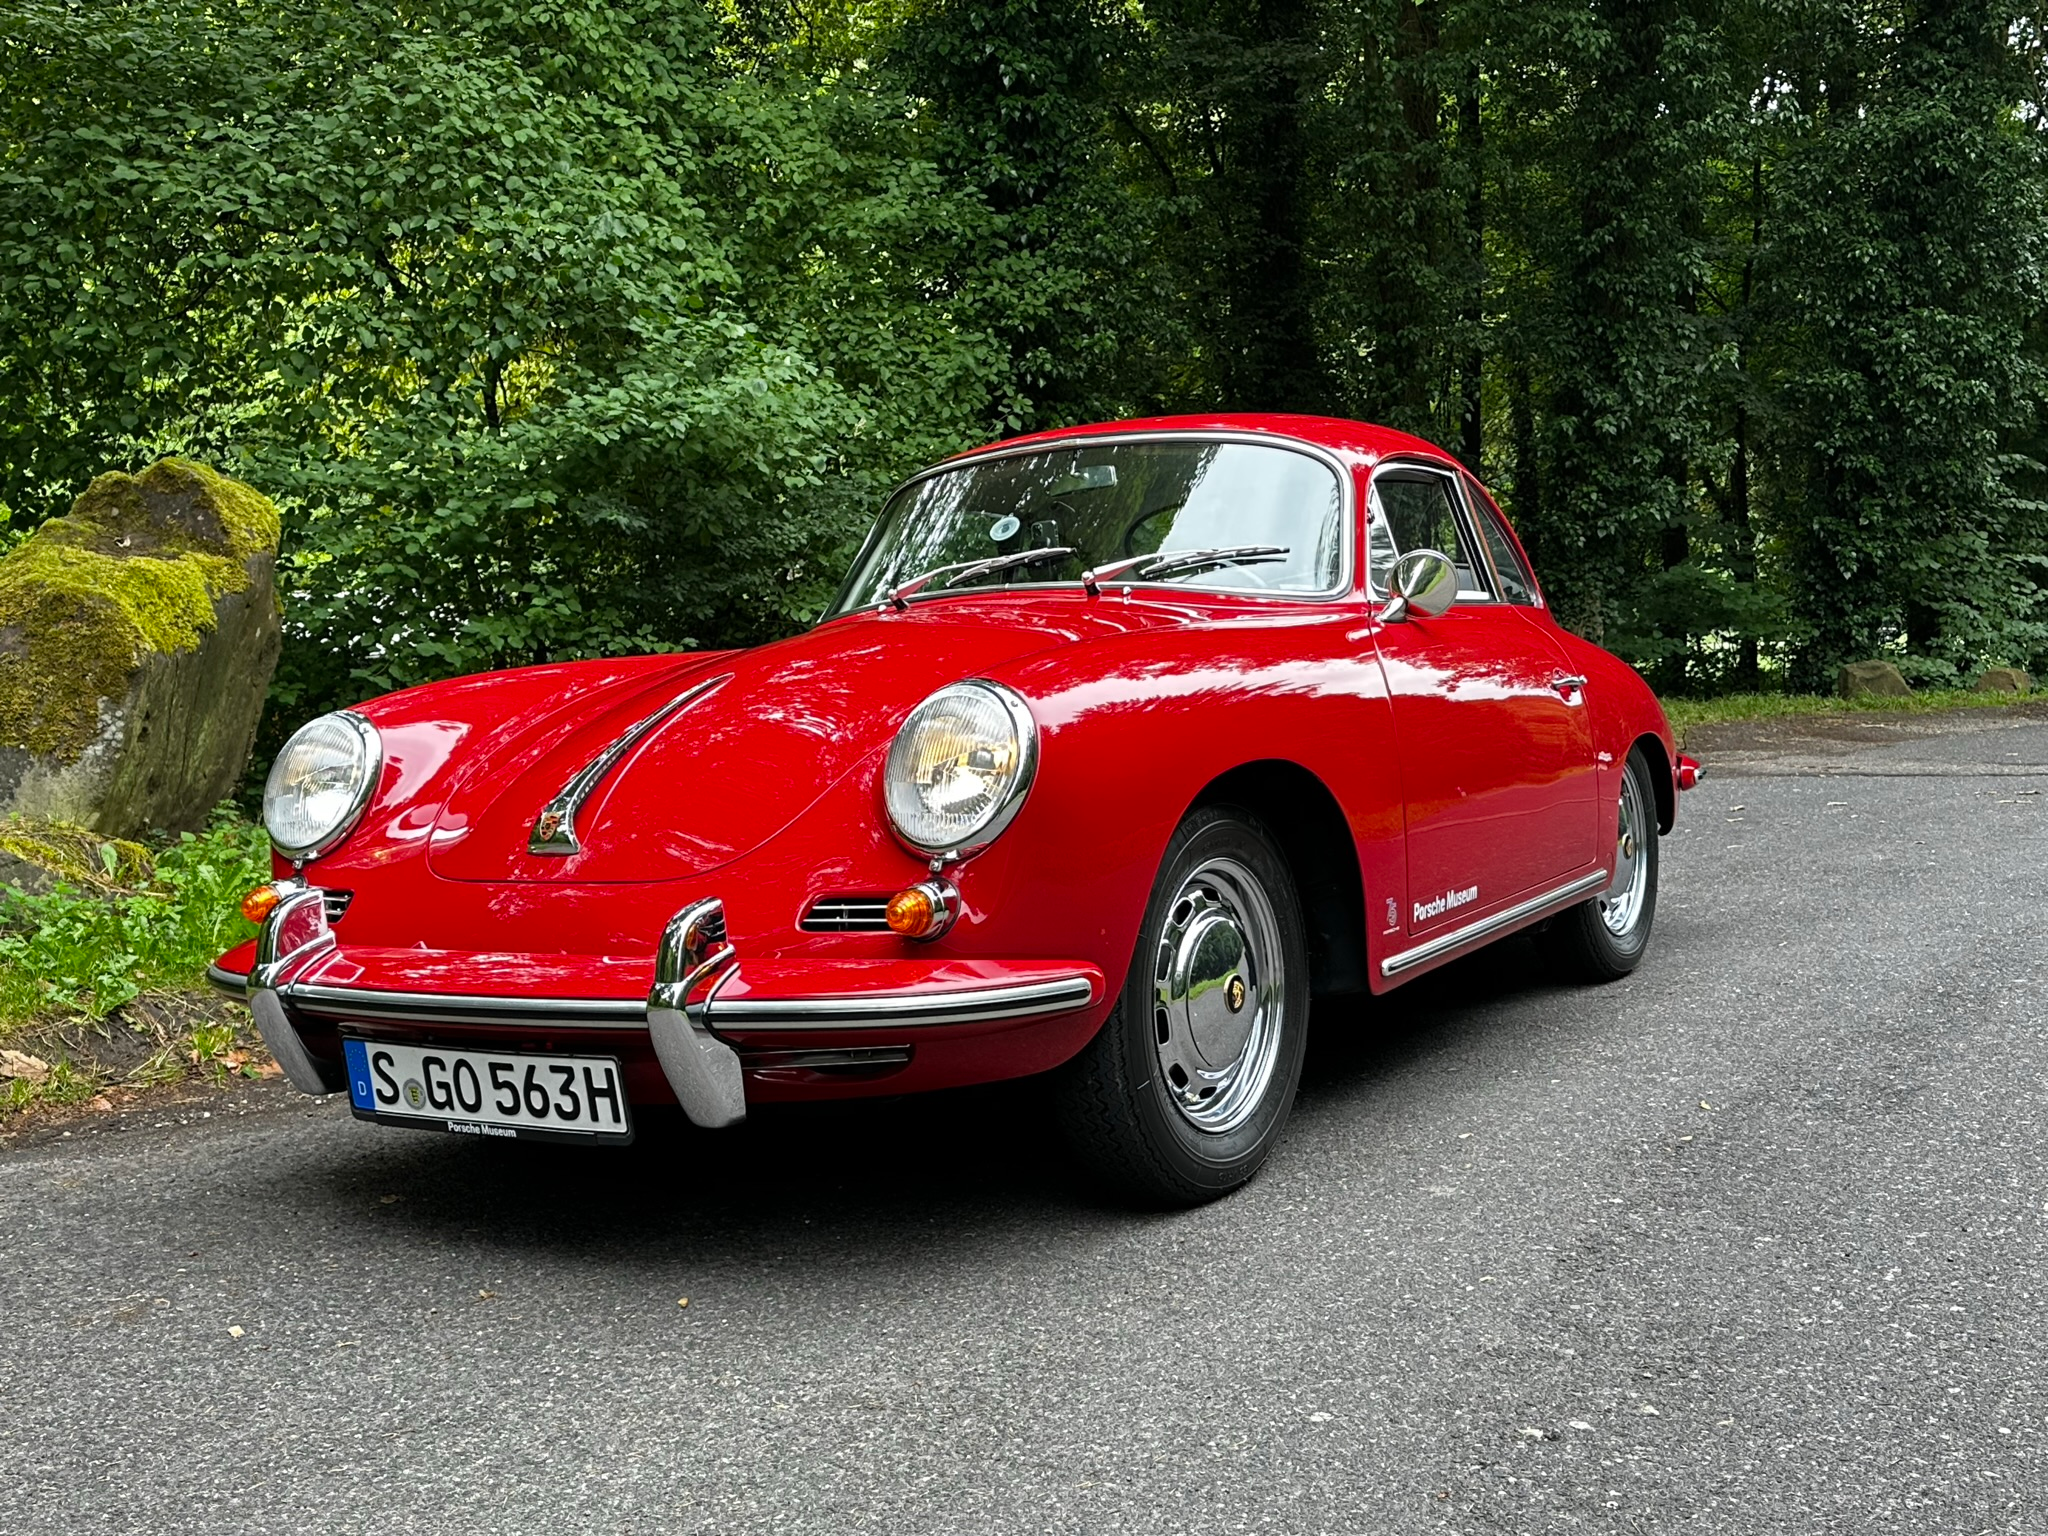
769,732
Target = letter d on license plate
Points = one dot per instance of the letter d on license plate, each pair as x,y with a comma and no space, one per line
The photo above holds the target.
488,1093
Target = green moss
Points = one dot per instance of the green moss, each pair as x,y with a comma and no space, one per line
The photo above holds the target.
77,854
134,569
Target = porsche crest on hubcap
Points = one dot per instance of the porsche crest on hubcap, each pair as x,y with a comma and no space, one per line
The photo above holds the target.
1218,996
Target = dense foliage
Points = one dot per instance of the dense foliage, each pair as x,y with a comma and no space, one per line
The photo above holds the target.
571,326
90,947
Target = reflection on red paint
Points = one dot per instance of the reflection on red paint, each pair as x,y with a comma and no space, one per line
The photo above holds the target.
1450,756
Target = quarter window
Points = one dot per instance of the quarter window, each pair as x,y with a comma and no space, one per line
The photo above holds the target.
1516,584
1413,509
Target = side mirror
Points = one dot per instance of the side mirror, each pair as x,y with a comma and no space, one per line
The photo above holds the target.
1423,580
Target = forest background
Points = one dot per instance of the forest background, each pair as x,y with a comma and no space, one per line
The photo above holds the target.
567,327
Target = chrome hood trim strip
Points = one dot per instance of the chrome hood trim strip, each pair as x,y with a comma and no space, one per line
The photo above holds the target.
554,830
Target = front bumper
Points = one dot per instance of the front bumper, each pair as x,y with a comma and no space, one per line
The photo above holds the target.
712,1030
915,1008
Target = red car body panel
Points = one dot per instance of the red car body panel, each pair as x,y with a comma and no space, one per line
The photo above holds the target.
1465,779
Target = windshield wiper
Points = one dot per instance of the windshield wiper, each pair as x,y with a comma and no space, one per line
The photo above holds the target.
963,569
1161,562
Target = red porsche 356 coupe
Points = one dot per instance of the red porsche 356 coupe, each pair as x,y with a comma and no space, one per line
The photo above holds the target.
1118,746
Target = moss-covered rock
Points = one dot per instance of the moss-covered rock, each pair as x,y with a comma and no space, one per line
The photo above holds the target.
137,638
1872,680
2004,680
37,855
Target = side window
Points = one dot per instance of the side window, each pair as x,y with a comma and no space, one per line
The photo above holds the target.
1516,584
1413,510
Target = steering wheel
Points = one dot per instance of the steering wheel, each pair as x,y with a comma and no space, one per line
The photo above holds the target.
1130,538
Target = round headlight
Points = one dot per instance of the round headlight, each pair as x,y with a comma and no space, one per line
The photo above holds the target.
959,768
320,783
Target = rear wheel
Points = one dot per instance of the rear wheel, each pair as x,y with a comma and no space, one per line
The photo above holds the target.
1605,938
1184,1091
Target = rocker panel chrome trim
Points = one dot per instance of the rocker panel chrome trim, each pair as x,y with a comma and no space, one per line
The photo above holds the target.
1488,927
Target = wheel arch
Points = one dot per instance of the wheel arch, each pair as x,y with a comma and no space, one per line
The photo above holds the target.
1303,816
1661,778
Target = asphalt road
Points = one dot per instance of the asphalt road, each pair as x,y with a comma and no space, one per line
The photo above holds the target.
1751,1242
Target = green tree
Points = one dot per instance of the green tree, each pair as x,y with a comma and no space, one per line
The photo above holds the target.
555,331
1901,280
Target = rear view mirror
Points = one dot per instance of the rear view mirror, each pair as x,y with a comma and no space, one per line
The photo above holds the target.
1423,580
1096,477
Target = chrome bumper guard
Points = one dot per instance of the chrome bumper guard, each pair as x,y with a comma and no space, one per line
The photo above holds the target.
703,1071
695,961
295,932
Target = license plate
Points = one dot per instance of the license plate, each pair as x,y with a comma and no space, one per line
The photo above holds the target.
488,1093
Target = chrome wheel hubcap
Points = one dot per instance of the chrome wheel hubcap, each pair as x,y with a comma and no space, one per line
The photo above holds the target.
1218,996
1621,904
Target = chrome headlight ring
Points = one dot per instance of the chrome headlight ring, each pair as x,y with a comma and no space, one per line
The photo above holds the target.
959,769
321,784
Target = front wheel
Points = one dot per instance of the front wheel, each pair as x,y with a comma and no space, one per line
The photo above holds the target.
1184,1090
1605,938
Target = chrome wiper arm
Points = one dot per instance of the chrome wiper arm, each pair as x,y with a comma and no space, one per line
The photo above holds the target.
1161,561
961,570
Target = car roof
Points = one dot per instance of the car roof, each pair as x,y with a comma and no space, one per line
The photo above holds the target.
1359,441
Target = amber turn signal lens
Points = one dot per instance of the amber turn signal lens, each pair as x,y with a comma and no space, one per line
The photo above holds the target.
260,903
912,912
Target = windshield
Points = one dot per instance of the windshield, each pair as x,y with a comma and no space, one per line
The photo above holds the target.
1109,502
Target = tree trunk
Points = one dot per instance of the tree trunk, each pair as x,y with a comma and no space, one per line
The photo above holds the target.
1471,369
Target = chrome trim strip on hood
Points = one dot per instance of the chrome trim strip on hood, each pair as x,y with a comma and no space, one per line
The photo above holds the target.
554,830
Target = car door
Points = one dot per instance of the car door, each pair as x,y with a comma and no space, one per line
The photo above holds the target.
1496,755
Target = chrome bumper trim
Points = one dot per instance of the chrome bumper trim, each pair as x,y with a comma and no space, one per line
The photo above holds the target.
876,1010
234,983
907,1009
459,1008
1488,927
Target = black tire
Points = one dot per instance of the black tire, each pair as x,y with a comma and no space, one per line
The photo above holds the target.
1126,1105
1584,944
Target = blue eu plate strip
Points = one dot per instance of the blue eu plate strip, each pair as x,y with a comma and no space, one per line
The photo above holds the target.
358,1056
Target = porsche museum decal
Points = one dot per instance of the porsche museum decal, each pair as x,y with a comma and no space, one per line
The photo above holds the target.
1450,901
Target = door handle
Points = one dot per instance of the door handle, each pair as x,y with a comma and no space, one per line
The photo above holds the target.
1568,685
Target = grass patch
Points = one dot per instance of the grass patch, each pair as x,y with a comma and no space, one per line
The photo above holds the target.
105,983
1684,714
